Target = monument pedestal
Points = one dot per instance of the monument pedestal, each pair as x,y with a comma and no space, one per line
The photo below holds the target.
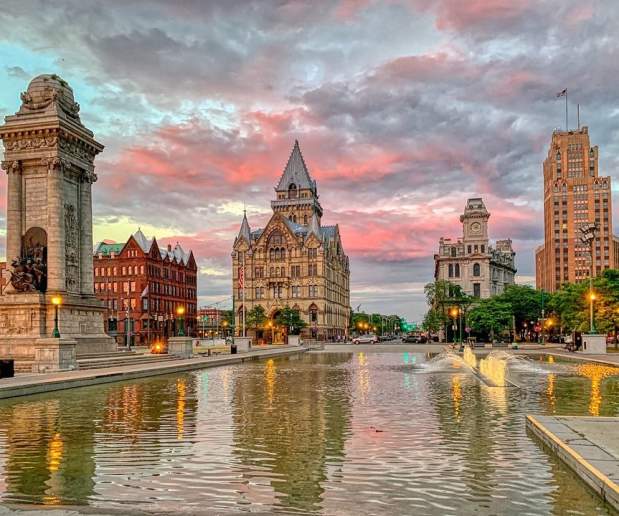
180,347
26,318
54,354
294,340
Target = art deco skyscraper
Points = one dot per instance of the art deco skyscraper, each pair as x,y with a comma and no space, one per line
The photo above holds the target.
574,195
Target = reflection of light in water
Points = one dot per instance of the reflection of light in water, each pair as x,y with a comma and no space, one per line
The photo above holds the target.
596,373
405,357
456,396
551,359
550,391
364,375
497,398
54,453
225,382
269,377
180,407
55,449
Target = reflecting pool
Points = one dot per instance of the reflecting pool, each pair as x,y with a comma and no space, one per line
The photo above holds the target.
331,433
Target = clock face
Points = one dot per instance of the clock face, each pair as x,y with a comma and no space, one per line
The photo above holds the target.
475,227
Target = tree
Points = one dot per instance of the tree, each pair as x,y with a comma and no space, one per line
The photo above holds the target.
525,302
441,295
433,320
256,317
490,316
290,319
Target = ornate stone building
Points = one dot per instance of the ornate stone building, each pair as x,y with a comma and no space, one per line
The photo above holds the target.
471,262
49,160
294,261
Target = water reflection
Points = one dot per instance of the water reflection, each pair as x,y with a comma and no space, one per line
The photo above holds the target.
329,433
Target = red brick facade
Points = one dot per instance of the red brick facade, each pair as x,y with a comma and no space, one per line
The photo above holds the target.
144,285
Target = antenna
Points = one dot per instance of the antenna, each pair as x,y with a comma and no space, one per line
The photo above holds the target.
578,115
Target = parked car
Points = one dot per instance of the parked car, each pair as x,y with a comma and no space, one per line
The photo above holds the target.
415,338
370,338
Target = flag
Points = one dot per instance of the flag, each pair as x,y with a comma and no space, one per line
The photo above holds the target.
144,292
241,277
562,93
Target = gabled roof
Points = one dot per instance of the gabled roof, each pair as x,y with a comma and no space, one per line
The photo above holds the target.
144,243
176,253
296,172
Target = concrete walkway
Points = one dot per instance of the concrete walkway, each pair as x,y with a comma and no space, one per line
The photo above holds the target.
26,384
588,445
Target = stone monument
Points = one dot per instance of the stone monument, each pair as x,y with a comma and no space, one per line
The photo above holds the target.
49,160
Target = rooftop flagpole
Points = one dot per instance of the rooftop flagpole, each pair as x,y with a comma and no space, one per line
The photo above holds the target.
564,94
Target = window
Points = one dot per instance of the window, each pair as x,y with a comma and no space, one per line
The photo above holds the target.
469,249
144,304
457,270
476,289
312,253
312,269
292,191
476,270
313,291
483,248
259,272
451,270
453,251
259,292
124,270
295,271
296,291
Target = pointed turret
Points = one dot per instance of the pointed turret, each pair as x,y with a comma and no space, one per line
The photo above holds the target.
314,227
296,174
245,232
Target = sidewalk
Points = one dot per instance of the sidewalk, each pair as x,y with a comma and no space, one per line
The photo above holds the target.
26,384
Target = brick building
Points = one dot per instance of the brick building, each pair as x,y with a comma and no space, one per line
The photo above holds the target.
142,286
574,195
212,321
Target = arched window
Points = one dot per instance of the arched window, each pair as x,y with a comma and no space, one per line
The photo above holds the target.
305,219
271,254
453,251
457,270
283,253
292,191
277,253
271,272
451,270
476,270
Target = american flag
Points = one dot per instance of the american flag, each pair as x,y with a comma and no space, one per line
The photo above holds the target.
562,93
241,276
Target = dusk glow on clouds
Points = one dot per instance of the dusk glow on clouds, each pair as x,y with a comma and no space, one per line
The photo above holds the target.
403,109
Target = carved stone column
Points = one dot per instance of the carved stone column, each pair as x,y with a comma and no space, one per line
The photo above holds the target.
56,265
14,230
86,272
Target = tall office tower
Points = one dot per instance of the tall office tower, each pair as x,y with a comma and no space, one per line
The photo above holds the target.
574,195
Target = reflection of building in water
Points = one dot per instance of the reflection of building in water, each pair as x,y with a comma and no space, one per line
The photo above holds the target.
468,417
48,459
53,445
294,425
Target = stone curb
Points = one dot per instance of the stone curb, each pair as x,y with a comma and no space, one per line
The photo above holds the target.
593,477
130,372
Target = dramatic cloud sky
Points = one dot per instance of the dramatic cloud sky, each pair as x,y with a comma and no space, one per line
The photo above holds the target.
403,108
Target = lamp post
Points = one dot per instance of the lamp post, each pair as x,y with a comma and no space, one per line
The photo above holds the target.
454,314
56,301
180,311
588,237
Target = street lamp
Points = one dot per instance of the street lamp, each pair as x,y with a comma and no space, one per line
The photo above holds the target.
180,311
455,312
56,301
588,237
592,298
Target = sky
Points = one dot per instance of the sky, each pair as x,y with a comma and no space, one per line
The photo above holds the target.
403,110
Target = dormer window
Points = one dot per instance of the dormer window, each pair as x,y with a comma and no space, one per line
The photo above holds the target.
292,191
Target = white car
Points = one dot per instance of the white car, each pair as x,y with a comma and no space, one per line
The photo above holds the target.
365,339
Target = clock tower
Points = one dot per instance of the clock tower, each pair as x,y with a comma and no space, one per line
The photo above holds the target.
475,222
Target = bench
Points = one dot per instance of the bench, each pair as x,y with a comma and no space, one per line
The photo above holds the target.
212,350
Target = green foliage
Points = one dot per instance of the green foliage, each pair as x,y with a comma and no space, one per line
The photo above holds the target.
256,317
490,315
433,321
525,302
291,320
